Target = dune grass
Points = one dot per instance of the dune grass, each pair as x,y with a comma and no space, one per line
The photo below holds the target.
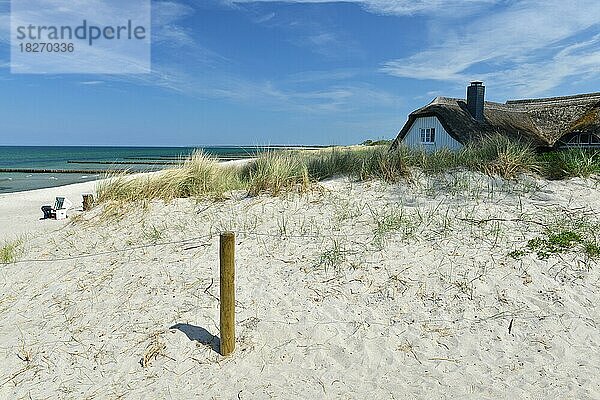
498,155
10,251
200,175
571,163
376,162
275,172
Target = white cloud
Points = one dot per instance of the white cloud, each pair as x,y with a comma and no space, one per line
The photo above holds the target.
331,45
324,75
264,18
530,45
395,7
165,18
91,83
336,98
579,61
287,96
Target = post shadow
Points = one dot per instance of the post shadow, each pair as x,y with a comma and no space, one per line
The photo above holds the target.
200,335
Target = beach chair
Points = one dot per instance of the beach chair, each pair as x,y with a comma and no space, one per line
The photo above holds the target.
59,211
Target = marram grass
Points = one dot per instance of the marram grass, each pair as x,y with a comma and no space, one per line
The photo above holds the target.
499,155
275,172
571,163
198,176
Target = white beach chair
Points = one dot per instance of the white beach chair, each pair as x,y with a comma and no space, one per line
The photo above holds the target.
59,211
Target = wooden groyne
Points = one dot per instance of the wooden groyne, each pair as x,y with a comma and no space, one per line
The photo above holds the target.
123,162
69,171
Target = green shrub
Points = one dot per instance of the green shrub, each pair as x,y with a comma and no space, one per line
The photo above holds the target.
332,258
554,243
564,235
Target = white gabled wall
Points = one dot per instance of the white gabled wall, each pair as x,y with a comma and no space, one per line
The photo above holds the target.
442,138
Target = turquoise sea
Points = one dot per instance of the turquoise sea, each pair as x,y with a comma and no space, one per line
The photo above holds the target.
93,159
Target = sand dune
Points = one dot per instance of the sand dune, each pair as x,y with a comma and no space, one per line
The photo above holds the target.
20,213
355,290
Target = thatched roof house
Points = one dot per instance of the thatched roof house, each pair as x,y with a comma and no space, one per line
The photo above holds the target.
570,121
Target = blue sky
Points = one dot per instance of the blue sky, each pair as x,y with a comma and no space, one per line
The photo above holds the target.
305,72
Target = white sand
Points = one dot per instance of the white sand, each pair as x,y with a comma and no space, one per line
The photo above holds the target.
325,310
20,213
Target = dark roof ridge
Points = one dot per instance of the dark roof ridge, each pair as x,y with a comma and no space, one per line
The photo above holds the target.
443,100
585,96
453,100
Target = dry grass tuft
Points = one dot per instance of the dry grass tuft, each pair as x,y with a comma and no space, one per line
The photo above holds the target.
155,349
11,251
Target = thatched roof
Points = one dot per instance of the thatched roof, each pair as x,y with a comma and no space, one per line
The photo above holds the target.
543,122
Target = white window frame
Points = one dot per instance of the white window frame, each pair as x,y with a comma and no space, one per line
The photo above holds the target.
427,135
592,139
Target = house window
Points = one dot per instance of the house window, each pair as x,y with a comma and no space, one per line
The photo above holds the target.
427,135
584,139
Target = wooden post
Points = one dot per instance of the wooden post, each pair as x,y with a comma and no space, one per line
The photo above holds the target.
227,296
88,201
